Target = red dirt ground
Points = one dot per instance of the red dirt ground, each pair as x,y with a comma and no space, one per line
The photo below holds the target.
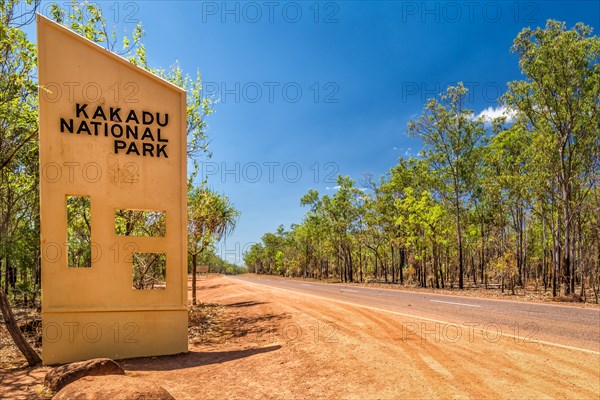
257,342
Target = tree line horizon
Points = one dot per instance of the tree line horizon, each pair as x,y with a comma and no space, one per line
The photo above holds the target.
512,201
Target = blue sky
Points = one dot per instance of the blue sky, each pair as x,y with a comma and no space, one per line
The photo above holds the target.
309,90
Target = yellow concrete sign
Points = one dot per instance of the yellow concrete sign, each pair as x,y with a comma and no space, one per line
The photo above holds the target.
113,203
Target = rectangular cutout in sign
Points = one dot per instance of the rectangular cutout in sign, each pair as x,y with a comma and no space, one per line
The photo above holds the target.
149,271
79,232
140,223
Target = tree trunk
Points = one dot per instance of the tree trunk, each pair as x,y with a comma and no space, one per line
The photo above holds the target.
194,268
555,258
384,266
376,268
441,267
402,261
306,260
512,285
519,243
448,267
460,245
544,257
423,269
360,263
5,278
32,357
435,265
482,257
474,268
567,239
393,265
350,264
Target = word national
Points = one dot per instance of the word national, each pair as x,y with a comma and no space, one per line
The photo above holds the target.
136,133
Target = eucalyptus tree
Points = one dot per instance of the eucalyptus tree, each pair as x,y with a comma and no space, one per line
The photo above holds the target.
508,157
373,228
18,129
450,135
425,221
558,102
308,238
407,173
253,258
340,218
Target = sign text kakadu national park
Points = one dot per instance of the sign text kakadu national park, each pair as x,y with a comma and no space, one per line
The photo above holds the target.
123,127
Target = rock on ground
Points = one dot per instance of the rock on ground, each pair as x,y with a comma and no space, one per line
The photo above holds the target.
61,376
112,388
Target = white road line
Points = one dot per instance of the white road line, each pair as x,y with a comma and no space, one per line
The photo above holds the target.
348,290
536,341
458,304
306,284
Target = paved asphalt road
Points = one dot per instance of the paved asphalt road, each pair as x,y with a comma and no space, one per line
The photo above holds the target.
568,326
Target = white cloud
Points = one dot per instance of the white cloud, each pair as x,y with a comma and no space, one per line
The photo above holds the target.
405,151
337,187
491,113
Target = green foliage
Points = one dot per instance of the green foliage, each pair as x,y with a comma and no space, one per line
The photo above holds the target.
216,264
211,216
87,20
19,226
491,202
79,232
140,223
19,196
557,108
488,203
